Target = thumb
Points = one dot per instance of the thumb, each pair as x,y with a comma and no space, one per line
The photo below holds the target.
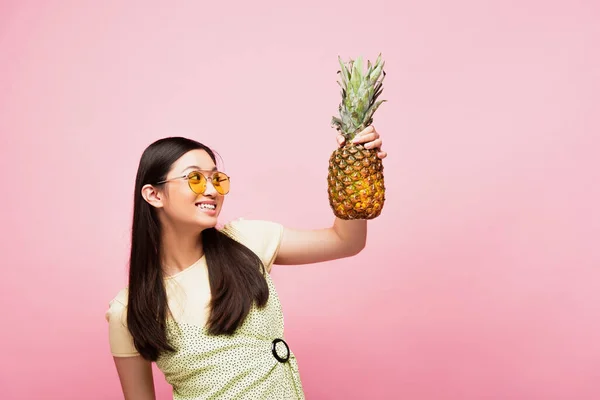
341,139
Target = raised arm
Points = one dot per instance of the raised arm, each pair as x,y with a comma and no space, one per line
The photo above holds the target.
345,238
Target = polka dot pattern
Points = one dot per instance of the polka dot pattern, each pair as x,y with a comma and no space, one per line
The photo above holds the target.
241,366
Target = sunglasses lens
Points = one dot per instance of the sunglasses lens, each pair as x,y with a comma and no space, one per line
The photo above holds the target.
197,182
221,182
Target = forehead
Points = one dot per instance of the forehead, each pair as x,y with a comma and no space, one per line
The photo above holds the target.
194,158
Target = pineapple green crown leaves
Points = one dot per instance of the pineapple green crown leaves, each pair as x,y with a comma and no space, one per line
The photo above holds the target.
360,93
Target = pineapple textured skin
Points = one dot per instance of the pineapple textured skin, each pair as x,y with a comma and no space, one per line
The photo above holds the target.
356,186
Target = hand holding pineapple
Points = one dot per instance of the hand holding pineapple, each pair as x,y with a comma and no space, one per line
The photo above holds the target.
355,181
370,139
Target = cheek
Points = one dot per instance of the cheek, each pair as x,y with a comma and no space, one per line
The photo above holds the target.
179,197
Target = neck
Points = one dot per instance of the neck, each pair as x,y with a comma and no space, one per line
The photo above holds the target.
180,249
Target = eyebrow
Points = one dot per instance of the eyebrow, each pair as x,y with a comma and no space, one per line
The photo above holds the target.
214,169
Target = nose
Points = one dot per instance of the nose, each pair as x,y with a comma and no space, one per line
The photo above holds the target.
210,189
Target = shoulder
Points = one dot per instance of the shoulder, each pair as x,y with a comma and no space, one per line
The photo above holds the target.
120,340
116,314
249,228
260,236
118,304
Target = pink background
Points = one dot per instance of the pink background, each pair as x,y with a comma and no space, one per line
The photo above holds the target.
481,279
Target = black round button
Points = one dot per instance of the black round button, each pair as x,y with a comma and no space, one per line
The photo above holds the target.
274,350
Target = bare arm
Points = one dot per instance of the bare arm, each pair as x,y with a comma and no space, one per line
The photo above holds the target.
135,374
343,239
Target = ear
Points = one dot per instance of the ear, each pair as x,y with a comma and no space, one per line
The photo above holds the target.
152,196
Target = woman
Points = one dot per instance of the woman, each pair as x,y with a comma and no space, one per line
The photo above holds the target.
200,302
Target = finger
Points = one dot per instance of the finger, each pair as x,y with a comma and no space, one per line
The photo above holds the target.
368,130
382,154
340,139
368,137
374,144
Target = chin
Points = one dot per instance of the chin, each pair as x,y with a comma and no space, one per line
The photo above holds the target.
207,221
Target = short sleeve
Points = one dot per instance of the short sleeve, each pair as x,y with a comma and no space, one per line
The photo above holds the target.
262,237
120,340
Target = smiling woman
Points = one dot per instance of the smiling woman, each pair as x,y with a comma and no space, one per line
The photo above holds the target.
200,301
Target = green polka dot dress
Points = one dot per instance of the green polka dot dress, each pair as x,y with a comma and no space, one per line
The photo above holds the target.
254,363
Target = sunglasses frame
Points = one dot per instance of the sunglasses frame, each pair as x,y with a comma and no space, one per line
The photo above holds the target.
187,177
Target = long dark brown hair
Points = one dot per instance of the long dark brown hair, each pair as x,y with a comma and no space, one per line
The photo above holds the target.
236,274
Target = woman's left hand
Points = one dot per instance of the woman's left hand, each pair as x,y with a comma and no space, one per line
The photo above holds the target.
369,138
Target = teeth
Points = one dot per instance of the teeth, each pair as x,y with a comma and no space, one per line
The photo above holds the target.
207,206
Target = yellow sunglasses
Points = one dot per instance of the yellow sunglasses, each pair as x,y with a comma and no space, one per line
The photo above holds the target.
197,181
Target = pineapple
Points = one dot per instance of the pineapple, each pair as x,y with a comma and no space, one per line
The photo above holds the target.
355,180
